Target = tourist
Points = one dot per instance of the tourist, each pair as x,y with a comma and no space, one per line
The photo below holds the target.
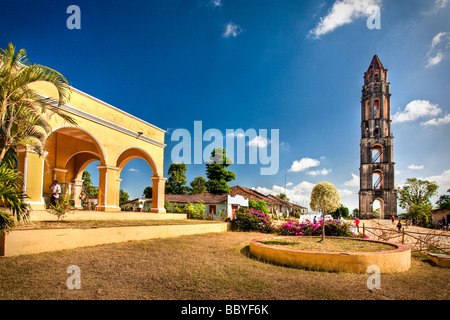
399,226
393,219
315,220
56,190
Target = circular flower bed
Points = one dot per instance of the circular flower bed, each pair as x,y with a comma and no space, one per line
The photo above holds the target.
389,257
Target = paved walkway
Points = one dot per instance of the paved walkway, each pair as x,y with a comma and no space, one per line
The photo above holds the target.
416,237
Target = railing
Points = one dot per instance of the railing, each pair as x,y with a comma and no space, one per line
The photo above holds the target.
377,156
418,241
377,184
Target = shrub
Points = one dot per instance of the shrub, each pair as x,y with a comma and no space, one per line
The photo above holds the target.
308,228
194,211
258,205
252,220
61,207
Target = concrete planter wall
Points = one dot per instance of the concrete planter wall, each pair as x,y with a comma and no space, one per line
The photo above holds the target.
396,260
20,242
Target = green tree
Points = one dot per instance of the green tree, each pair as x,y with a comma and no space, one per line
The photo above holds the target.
444,201
198,185
217,174
283,196
325,199
415,197
11,196
148,192
24,113
24,118
341,211
123,197
177,179
91,191
258,205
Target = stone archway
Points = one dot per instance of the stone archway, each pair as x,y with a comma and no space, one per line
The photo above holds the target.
158,182
69,150
103,133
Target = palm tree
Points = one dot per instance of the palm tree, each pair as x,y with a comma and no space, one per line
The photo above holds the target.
12,196
24,118
24,112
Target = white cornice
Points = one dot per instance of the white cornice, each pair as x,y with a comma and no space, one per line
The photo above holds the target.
109,124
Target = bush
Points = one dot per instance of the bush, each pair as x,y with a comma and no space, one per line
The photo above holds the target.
332,228
252,220
258,205
61,207
194,211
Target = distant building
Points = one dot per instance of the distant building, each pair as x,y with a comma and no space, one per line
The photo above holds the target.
275,205
220,206
217,206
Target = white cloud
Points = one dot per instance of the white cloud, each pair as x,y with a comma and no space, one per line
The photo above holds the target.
322,172
442,180
231,30
415,110
438,5
342,12
345,193
439,45
303,164
414,167
259,142
437,122
216,3
133,170
354,182
289,184
299,194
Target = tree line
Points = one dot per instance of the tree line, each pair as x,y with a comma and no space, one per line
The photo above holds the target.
216,172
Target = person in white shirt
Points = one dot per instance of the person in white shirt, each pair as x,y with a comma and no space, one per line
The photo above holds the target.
56,190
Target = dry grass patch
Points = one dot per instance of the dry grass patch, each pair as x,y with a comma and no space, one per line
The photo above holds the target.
329,245
213,266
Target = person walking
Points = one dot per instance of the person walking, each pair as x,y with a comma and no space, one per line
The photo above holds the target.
399,226
393,219
56,190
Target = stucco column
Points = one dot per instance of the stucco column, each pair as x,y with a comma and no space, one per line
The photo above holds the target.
59,174
76,193
158,197
117,192
32,168
106,188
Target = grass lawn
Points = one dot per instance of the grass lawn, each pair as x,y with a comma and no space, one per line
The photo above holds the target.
210,266
329,245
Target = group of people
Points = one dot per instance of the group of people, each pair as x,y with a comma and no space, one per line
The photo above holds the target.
442,224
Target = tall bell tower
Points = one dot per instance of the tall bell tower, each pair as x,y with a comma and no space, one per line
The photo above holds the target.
377,158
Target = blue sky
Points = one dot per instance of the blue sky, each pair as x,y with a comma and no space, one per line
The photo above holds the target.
295,66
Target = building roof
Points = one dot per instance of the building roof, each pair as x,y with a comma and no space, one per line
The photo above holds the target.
376,64
209,198
251,194
286,202
193,198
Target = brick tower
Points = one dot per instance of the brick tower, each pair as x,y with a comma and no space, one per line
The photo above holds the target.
377,158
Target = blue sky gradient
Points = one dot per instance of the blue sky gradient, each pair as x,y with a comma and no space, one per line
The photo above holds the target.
256,64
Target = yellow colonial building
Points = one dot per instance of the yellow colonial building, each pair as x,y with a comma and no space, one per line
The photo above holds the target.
103,133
